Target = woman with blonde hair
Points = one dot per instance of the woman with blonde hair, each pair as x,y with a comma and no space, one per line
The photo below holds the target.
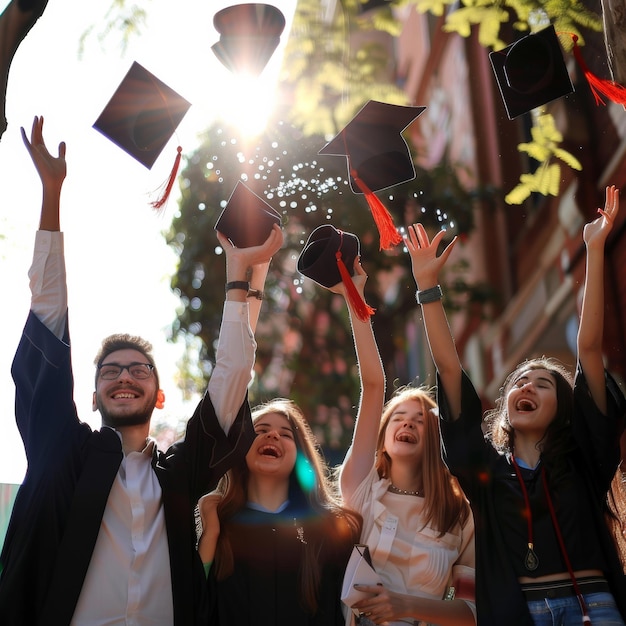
416,521
277,537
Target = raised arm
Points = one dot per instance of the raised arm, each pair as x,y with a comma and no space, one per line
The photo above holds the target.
250,265
591,328
426,266
236,345
360,456
47,272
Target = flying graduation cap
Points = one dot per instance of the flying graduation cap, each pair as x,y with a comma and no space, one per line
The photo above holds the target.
141,117
531,72
247,219
249,35
378,157
328,259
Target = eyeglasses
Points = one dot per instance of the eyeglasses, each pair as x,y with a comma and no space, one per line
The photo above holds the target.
139,371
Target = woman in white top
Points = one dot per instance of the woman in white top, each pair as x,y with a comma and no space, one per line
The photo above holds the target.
416,520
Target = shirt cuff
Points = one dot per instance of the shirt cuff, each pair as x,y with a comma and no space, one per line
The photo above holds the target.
235,311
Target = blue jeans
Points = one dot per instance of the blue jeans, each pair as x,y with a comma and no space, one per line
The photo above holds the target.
566,611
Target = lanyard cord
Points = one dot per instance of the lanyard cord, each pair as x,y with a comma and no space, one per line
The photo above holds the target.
531,560
557,530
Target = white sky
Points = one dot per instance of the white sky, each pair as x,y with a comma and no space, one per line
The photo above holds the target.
105,212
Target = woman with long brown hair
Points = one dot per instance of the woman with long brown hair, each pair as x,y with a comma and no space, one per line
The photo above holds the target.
416,521
284,539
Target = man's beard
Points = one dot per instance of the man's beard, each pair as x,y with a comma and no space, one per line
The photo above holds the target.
119,421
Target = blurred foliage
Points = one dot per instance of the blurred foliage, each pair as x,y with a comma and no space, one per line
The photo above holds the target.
543,148
123,20
333,65
567,16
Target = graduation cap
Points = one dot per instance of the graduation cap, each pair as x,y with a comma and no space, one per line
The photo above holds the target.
328,259
378,156
531,72
249,35
141,117
247,219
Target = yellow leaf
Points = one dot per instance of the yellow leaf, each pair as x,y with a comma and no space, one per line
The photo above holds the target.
568,158
436,7
518,194
535,150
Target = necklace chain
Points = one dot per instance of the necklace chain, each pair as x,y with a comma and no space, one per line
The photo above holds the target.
404,492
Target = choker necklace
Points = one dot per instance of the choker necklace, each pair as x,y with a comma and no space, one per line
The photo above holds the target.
403,492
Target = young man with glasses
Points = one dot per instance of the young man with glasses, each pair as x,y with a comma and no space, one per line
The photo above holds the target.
102,531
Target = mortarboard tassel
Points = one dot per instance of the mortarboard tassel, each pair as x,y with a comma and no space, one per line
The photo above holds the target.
389,235
609,88
361,309
167,188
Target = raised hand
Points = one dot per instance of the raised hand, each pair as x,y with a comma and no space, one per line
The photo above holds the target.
52,170
425,263
237,258
596,232
359,279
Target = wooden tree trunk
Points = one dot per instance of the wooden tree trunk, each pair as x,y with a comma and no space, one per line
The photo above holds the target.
614,16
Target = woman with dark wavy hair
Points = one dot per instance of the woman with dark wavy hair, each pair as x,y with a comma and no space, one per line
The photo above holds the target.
538,473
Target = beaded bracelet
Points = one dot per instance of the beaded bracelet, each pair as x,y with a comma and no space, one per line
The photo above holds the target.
255,293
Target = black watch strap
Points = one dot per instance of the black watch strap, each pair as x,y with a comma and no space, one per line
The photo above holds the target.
238,284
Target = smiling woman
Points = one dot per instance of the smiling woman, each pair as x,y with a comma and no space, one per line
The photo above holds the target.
284,540
416,520
538,479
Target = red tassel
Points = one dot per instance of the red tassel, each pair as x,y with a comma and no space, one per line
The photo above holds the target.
361,309
609,88
389,235
158,204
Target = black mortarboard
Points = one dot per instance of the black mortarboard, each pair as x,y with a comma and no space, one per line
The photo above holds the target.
318,259
249,34
531,72
247,219
378,157
142,115
375,149
328,259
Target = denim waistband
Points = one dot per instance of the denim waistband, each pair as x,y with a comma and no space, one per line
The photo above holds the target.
564,588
